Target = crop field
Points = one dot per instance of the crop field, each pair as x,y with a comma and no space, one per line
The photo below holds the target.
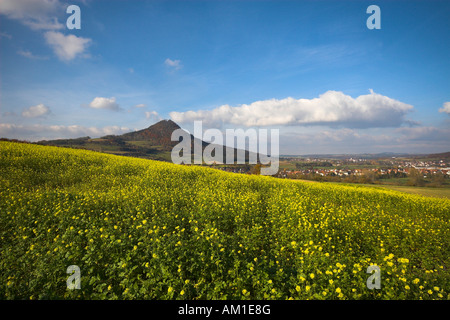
143,229
423,191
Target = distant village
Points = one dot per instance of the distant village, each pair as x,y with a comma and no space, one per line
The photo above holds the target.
399,168
419,172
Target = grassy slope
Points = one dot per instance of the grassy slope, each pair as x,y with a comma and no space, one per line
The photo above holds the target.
147,229
429,192
423,191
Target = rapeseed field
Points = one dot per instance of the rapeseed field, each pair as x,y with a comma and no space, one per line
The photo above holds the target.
141,229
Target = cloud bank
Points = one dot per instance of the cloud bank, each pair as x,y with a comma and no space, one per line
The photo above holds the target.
333,108
345,140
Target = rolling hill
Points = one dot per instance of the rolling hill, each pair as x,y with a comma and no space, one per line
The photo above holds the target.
152,143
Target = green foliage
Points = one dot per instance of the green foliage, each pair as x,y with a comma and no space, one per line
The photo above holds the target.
416,178
141,229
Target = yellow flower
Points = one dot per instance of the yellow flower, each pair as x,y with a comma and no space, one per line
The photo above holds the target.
331,281
297,288
244,292
270,281
182,292
307,288
416,281
338,290
170,290
436,288
407,287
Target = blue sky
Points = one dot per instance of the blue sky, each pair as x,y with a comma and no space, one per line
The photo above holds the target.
311,69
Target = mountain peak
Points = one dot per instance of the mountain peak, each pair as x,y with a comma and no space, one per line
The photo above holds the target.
158,134
164,124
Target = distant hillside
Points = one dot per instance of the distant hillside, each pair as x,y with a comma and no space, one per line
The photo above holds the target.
158,134
152,143
442,156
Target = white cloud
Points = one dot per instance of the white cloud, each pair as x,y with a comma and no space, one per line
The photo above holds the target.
30,55
152,115
140,105
333,108
67,47
40,132
104,103
38,15
445,108
36,111
41,15
176,64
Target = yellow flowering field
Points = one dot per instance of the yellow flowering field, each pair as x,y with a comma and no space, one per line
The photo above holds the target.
141,229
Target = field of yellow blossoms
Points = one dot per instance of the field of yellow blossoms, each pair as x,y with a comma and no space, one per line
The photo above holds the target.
141,229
